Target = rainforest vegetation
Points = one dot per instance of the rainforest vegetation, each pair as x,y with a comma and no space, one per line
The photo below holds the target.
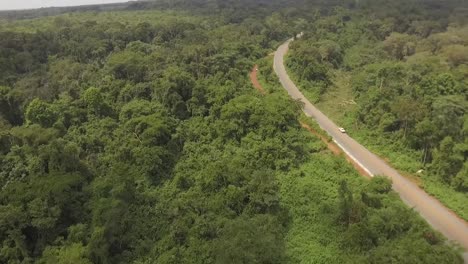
397,78
135,136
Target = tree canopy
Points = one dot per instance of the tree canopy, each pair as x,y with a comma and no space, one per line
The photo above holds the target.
130,133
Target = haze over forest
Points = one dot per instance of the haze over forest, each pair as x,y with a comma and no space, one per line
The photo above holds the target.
30,4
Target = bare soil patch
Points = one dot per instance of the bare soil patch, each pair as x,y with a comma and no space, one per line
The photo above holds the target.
254,80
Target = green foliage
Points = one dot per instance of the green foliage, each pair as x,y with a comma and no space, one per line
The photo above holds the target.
9,106
128,65
314,196
124,123
40,112
346,203
94,101
398,87
380,184
74,253
252,240
134,136
399,45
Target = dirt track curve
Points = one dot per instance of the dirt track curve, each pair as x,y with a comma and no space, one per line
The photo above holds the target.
436,214
254,80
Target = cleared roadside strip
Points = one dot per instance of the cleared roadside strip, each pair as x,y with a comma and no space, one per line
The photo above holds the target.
347,153
353,158
433,211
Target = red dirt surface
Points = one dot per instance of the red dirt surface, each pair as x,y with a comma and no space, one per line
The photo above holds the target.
254,80
331,146
336,150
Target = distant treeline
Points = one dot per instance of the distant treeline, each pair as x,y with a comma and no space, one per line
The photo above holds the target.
207,6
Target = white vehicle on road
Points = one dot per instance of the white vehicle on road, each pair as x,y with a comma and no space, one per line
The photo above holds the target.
436,214
342,130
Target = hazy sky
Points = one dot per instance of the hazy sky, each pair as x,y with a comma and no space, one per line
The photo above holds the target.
25,4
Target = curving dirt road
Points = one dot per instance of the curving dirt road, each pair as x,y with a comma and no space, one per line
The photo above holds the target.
254,80
436,214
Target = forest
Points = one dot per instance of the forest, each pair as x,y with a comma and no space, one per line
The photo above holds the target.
399,84
135,136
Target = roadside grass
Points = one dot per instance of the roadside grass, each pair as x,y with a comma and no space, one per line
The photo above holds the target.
456,201
307,195
310,195
338,104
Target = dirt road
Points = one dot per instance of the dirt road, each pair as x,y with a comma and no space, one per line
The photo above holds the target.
254,80
436,214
